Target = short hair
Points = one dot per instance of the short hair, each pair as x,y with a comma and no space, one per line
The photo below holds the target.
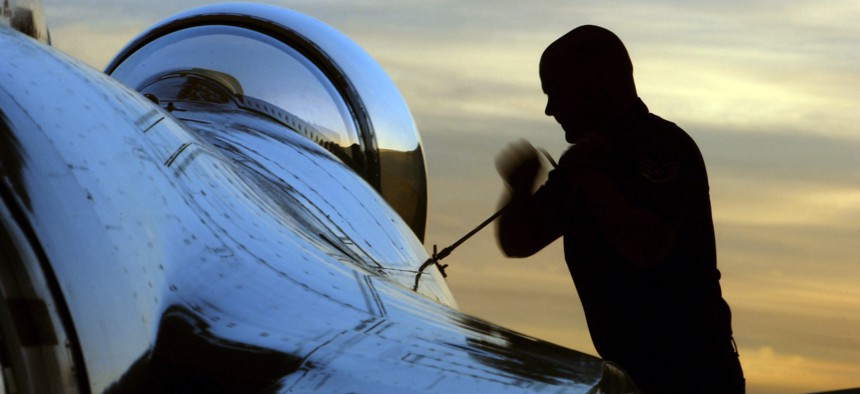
593,57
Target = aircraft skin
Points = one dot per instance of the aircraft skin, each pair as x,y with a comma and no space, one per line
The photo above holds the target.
205,235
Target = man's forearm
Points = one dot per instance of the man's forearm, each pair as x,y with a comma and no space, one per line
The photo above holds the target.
526,227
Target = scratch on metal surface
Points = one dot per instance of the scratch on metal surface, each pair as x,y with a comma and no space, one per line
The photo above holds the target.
148,120
176,154
153,124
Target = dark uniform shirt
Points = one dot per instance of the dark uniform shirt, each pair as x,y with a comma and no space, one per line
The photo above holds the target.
668,323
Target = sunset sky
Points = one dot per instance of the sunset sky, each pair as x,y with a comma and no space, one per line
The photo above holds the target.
769,90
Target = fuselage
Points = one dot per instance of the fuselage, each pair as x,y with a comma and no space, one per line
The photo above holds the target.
192,235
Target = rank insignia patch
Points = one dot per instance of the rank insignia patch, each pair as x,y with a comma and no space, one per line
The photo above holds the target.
659,172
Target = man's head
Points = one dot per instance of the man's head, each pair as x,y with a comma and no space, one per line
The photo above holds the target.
588,79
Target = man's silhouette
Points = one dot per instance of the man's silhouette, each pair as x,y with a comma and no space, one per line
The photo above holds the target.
630,197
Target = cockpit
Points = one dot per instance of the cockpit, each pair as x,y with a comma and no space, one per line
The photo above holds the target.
323,87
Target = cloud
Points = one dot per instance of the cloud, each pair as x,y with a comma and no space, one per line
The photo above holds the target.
94,45
767,370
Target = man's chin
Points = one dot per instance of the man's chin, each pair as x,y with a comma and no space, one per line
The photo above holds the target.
572,136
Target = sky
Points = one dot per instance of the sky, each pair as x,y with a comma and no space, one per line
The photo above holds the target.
767,88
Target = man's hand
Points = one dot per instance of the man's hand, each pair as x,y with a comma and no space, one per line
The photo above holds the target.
518,166
526,226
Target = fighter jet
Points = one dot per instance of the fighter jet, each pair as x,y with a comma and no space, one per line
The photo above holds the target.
236,204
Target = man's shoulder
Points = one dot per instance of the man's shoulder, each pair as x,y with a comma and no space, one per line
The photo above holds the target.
666,131
666,138
666,152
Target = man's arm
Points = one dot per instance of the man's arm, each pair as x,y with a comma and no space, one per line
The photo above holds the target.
528,223
641,236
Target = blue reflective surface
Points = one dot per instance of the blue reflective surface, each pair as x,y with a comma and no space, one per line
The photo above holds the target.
214,248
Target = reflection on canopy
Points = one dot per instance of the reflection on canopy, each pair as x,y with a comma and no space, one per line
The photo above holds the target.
328,90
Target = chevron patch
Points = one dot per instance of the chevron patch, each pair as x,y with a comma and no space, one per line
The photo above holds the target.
659,172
